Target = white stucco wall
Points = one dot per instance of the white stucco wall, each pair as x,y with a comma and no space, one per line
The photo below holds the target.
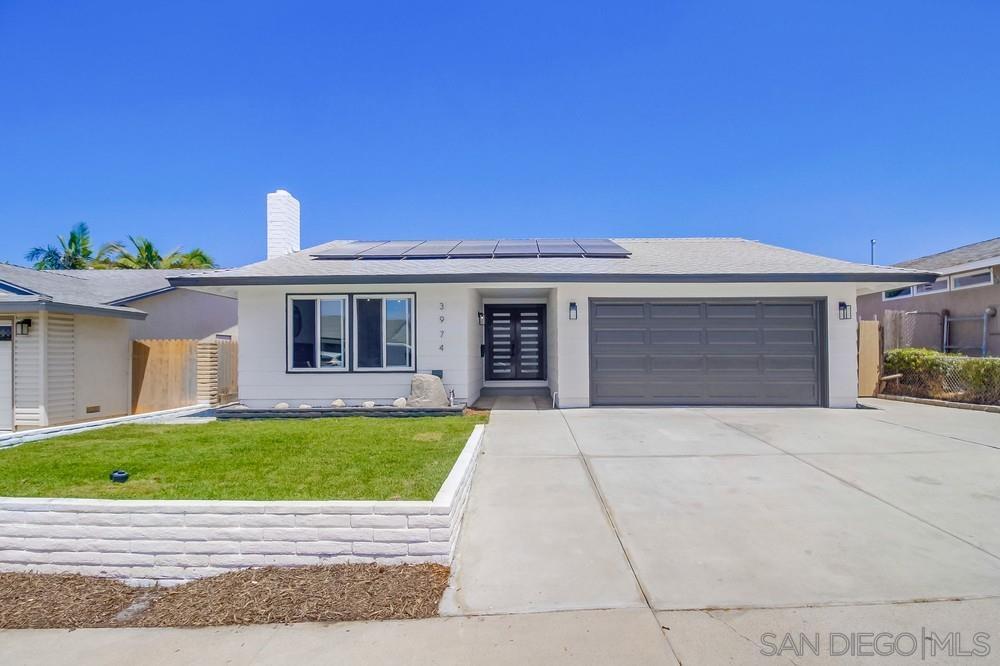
103,359
183,314
264,380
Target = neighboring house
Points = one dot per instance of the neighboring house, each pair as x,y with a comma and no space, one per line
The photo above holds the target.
65,338
706,321
967,289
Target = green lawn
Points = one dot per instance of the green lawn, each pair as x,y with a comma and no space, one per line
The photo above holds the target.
315,459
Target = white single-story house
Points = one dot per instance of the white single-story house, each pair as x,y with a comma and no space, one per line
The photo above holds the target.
65,338
627,321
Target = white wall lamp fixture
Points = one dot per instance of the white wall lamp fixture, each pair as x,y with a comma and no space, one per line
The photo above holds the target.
572,310
23,326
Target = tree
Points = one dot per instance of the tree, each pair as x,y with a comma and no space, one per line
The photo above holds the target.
72,253
146,255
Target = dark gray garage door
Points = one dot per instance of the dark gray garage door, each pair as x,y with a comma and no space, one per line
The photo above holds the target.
715,352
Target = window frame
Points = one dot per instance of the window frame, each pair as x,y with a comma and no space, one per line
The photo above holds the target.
915,290
980,271
289,338
412,298
908,294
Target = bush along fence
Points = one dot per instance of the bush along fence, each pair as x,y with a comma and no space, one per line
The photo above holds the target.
165,542
925,373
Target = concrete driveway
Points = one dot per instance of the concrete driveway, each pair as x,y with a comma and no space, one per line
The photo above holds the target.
697,514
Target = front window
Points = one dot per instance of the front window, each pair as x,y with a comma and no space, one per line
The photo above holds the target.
978,279
317,333
383,332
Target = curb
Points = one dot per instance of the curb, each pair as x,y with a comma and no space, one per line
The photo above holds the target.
992,409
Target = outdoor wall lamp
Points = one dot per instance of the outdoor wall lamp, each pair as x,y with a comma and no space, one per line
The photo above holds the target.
844,310
572,310
482,318
23,326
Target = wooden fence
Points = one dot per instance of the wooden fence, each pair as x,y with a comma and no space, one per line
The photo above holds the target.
178,373
869,357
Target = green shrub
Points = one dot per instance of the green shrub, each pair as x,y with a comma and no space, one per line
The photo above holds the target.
916,362
982,377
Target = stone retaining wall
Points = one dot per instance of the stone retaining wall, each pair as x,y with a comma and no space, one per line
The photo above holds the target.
170,541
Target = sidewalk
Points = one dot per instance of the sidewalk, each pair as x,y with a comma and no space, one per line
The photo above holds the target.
581,637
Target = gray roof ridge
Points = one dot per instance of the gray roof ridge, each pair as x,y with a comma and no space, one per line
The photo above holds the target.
944,252
899,269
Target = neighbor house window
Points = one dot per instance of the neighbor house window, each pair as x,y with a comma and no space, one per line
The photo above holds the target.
977,279
383,332
941,284
897,293
317,333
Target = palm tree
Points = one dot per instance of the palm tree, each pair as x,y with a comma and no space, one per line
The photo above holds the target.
73,253
146,255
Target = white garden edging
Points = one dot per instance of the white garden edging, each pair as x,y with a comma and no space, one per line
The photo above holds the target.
23,436
170,541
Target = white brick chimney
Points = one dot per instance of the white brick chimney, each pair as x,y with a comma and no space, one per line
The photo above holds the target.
282,224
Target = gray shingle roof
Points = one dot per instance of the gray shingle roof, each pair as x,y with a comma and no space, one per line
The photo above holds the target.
653,259
986,249
100,291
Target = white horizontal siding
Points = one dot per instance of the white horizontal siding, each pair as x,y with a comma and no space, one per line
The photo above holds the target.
28,412
61,369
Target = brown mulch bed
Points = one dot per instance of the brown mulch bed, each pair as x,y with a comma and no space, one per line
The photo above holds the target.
250,596
37,601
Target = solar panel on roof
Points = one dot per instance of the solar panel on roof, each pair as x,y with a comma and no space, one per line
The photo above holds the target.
473,248
390,250
516,248
556,247
432,248
476,249
349,250
601,247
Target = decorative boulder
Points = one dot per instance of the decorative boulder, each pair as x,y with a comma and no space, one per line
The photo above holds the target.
281,405
427,391
368,404
338,403
305,406
399,402
241,407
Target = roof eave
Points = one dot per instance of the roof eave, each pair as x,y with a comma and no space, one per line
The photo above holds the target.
14,307
245,280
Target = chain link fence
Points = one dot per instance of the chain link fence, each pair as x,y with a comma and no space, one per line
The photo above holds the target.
925,373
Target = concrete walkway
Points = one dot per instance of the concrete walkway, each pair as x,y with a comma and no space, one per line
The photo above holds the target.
675,536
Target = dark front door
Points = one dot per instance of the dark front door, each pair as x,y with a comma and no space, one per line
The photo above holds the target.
515,342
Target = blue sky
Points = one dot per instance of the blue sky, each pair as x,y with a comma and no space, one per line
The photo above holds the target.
814,125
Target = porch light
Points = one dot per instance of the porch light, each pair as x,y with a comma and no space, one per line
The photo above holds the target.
482,318
844,310
572,310
23,326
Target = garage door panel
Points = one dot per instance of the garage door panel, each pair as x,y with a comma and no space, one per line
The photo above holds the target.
709,352
610,364
678,363
731,363
735,336
726,310
790,310
675,310
789,336
675,336
775,363
618,311
620,336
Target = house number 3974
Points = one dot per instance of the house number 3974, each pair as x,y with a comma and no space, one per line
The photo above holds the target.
441,319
